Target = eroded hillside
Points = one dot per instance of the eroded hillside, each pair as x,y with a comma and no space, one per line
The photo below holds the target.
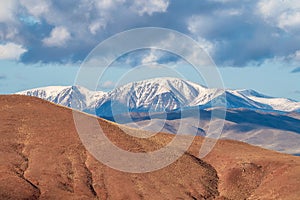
42,157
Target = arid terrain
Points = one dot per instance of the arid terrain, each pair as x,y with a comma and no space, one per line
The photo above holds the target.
42,157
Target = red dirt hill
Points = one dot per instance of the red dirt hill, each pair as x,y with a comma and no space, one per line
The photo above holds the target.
42,157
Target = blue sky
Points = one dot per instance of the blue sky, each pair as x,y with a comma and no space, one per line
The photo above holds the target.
255,44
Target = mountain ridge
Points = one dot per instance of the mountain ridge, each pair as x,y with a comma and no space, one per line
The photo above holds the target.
159,94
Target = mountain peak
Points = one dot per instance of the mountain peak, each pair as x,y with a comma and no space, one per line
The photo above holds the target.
158,95
77,97
167,81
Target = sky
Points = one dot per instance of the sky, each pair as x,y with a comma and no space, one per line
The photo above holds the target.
254,43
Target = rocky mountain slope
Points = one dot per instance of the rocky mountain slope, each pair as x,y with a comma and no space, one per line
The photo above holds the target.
42,157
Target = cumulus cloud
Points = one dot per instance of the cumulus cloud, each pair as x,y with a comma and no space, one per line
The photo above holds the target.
58,37
7,10
206,45
145,57
86,22
283,14
199,24
11,51
36,7
150,7
248,33
289,20
96,26
8,23
170,50
150,58
108,4
235,33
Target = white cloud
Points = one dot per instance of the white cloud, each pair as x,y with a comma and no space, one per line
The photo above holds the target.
220,26
206,45
58,37
97,26
200,25
295,57
149,58
283,14
85,22
36,7
108,85
106,10
7,10
9,34
150,7
108,4
11,51
288,21
291,60
187,49
269,8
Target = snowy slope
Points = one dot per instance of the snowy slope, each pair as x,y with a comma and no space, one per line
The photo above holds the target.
75,97
166,94
280,104
157,95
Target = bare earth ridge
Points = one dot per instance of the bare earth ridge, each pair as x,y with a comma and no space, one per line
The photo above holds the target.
42,157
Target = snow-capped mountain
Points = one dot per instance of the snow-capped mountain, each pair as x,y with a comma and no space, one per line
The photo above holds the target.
154,95
157,95
280,104
166,94
267,127
75,97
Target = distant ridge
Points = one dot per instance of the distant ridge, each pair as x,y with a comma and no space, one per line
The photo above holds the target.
76,97
157,95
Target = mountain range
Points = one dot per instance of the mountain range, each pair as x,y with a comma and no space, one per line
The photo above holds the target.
172,105
158,95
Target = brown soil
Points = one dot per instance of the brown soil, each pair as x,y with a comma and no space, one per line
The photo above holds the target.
42,157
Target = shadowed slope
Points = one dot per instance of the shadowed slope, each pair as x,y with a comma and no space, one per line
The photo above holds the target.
269,130
42,157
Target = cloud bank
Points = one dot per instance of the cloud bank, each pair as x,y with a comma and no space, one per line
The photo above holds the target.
235,33
11,51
